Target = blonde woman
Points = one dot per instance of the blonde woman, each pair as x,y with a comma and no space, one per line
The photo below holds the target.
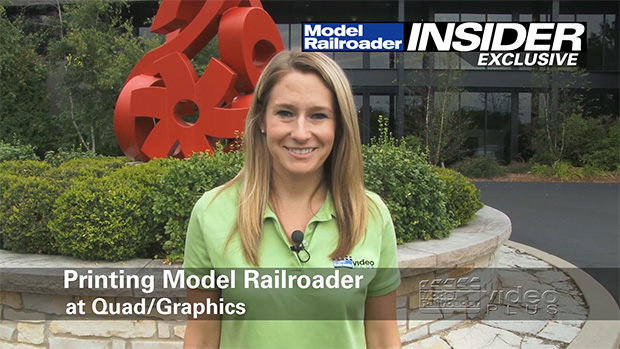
303,172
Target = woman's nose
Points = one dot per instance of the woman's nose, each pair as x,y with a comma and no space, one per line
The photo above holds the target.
301,132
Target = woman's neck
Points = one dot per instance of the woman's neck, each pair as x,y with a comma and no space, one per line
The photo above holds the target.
301,190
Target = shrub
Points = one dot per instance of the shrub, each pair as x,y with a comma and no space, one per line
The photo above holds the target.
564,171
518,167
411,189
604,159
595,171
542,170
605,155
25,168
543,158
464,199
26,208
586,141
412,142
479,167
80,168
183,184
6,180
56,158
17,152
561,170
111,217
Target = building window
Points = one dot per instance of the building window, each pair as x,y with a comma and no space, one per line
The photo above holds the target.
610,42
295,36
358,99
473,17
413,60
146,33
446,17
472,108
379,60
525,108
414,113
285,34
498,125
567,18
349,60
499,18
380,106
595,40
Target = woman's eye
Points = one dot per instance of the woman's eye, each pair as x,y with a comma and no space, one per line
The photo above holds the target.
319,116
284,113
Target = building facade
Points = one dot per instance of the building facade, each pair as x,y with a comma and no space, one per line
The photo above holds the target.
500,103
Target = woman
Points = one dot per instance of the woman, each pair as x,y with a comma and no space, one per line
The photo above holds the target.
303,171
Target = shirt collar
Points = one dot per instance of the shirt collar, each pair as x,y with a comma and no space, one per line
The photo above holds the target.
326,212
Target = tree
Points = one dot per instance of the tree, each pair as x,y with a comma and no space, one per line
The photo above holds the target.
558,100
95,53
24,100
438,121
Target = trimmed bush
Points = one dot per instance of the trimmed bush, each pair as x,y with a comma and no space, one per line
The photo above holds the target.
111,217
25,168
102,208
80,168
183,184
464,199
25,210
479,167
411,189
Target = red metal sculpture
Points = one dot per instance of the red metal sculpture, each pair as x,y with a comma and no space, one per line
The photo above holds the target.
164,86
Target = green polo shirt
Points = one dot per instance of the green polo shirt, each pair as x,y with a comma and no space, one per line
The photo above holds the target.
287,316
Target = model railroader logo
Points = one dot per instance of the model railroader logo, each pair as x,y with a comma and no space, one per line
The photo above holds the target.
499,44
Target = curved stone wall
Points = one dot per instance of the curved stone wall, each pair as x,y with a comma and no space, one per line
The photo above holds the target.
33,300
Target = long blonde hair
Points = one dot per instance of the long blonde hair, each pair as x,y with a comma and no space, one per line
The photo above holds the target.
344,169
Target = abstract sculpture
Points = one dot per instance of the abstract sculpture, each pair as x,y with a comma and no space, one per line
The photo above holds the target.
164,86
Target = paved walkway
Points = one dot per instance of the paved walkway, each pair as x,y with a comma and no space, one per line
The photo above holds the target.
519,268
578,222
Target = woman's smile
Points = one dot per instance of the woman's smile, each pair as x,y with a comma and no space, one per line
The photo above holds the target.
300,151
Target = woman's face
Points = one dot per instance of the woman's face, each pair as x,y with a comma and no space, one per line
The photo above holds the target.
300,125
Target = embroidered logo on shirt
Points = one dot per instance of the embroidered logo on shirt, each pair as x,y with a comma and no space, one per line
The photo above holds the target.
348,262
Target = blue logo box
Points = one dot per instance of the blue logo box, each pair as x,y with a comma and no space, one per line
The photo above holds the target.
353,37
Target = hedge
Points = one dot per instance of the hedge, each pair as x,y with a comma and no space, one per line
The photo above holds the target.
102,208
25,209
463,200
182,185
412,190
111,217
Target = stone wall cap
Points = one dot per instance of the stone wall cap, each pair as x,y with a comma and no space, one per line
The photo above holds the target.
481,236
43,274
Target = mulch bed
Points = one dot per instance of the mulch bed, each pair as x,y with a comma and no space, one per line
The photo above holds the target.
527,177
